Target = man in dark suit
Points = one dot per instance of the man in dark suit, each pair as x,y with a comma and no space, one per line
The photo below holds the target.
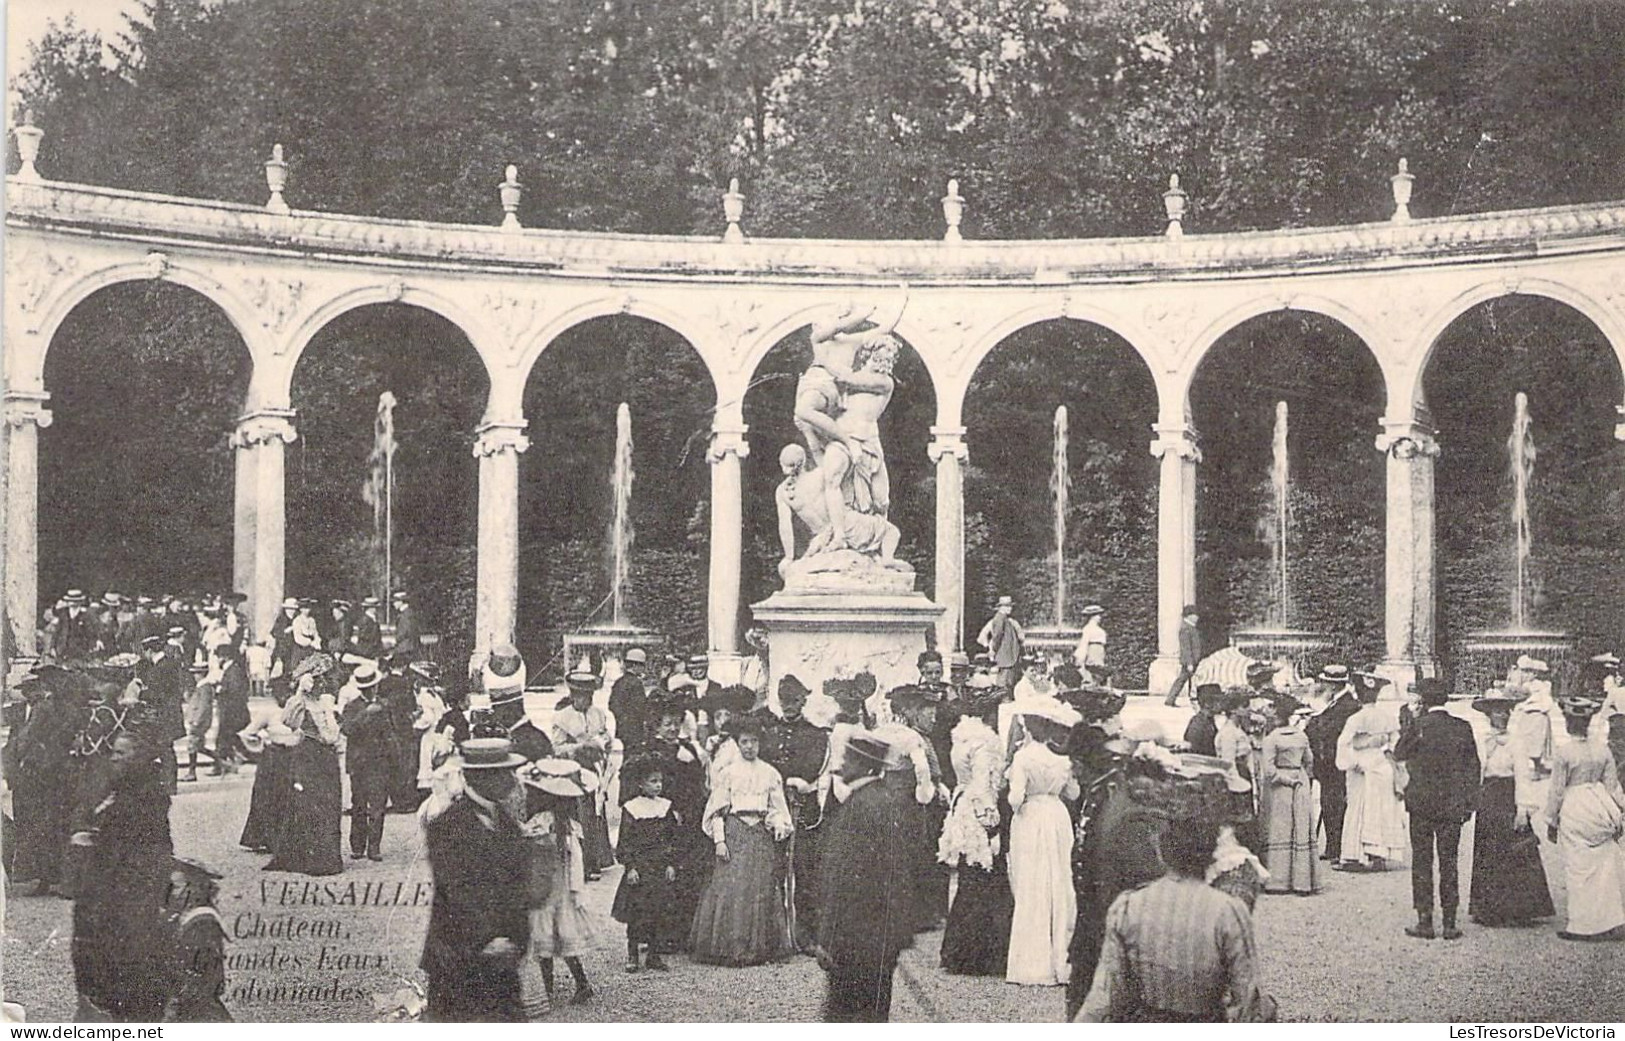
407,628
1323,731
372,754
1443,760
629,700
1190,651
366,638
479,926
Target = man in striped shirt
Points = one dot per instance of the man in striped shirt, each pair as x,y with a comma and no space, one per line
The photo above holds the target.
1178,950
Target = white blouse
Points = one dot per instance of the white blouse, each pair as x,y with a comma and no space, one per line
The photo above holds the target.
747,786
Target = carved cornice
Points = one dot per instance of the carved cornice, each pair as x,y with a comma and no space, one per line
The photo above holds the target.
24,407
145,216
496,438
264,427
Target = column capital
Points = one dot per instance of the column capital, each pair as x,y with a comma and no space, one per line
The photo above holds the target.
947,441
726,440
1181,440
27,406
497,437
263,427
1408,439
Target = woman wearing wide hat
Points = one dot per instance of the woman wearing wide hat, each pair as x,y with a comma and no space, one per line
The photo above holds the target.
308,842
1286,803
1509,884
1584,809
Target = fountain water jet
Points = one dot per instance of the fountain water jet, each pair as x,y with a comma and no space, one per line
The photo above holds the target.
1489,652
1058,637
1278,641
616,637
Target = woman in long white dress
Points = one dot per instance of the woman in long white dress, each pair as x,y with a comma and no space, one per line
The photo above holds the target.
1376,834
1041,851
1585,807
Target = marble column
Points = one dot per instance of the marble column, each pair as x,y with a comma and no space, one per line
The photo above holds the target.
498,446
260,512
947,450
728,447
1408,629
1176,446
26,414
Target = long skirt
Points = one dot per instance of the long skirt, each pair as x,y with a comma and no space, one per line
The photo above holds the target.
309,843
1374,824
268,802
1592,859
1509,884
977,939
1288,825
1041,880
596,850
741,918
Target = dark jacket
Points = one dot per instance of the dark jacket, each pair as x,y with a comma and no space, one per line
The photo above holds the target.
407,632
369,739
1190,645
1201,734
629,703
366,639
481,875
1443,759
1324,730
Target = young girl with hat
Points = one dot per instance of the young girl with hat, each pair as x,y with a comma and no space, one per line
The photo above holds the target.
649,846
560,927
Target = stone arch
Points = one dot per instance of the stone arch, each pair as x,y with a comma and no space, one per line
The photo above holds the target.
1177,404
978,350
293,348
1426,342
70,296
699,337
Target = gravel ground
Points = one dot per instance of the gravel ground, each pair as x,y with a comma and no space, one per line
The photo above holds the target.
1341,955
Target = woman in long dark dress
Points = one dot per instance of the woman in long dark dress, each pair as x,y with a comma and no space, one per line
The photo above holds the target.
977,938
268,800
309,841
1509,884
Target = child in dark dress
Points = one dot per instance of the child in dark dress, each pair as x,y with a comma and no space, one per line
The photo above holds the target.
649,843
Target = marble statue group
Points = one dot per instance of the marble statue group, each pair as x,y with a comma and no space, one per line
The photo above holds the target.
838,486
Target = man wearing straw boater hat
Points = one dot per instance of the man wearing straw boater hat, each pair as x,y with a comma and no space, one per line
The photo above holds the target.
503,681
1004,640
1323,730
479,926
372,755
1442,757
366,638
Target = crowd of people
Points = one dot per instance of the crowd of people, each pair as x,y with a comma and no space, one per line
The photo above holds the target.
1002,799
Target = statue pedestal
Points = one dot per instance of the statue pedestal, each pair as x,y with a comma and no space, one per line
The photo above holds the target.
818,636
